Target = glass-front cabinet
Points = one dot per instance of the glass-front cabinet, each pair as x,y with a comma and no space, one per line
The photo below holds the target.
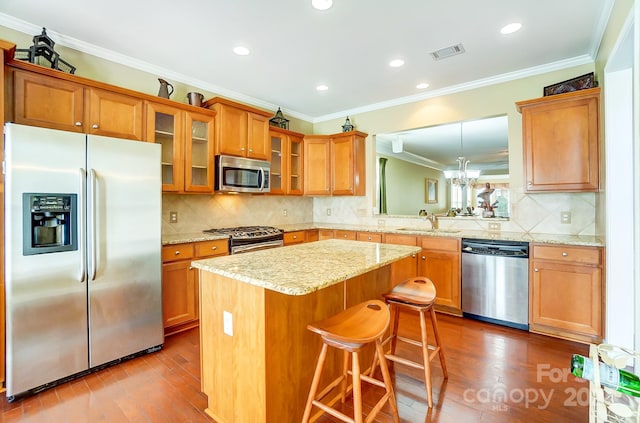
286,162
198,161
187,147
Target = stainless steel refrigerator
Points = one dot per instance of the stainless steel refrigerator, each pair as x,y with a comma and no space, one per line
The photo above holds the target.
82,253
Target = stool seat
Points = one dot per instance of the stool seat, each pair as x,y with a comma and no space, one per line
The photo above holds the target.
351,330
417,291
354,327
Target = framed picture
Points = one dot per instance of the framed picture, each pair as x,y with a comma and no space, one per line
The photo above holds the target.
579,83
431,190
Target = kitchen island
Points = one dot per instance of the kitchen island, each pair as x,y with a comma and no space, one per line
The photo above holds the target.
257,356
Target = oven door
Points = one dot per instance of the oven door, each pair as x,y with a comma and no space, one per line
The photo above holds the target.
246,248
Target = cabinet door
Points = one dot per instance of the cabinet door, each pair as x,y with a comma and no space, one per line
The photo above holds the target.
567,297
114,115
295,166
561,142
258,146
231,130
317,165
407,267
48,102
278,163
347,165
198,157
443,269
165,127
179,293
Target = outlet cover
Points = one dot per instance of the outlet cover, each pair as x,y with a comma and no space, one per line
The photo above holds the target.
565,217
285,212
173,217
227,319
328,212
494,226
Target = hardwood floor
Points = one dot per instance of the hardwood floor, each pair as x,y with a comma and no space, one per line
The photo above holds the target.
496,374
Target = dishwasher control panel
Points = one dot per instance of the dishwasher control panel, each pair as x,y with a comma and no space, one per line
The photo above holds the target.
495,248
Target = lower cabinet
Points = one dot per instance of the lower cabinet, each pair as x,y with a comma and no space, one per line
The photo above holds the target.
439,261
567,292
180,290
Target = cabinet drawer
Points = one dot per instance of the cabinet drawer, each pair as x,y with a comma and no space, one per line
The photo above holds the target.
567,253
294,237
369,237
345,235
437,243
216,247
400,239
177,252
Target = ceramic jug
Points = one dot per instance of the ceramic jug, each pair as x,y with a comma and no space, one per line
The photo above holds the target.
166,89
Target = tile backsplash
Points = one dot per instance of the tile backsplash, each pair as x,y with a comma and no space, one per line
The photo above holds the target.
537,213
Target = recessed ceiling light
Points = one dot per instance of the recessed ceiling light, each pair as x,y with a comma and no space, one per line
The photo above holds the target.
422,86
241,51
396,63
511,28
322,87
322,4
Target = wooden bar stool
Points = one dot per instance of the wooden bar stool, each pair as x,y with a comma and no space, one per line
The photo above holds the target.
350,330
417,294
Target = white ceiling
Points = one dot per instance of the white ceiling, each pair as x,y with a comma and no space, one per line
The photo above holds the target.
348,47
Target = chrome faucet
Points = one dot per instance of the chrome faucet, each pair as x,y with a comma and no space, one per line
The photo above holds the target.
433,219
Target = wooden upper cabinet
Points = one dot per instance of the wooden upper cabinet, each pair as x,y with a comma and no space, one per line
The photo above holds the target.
240,130
561,142
335,164
187,147
347,166
42,100
317,164
114,115
63,108
286,162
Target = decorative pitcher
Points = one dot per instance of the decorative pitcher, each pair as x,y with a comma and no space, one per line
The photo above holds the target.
164,89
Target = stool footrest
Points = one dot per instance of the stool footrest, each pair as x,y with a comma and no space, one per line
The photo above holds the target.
404,361
333,411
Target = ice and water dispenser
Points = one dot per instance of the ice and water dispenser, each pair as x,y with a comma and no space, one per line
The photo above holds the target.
49,223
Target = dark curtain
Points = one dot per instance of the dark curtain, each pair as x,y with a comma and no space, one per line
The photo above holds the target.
383,186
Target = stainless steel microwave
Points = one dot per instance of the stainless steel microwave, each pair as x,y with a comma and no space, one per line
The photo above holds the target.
237,174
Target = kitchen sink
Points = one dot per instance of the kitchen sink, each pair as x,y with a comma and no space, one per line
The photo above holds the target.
439,231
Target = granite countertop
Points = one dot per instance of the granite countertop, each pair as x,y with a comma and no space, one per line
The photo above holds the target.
584,240
190,237
304,268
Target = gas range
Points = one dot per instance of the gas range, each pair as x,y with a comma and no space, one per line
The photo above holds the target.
243,239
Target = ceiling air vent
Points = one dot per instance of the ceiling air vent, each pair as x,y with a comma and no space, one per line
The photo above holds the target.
443,53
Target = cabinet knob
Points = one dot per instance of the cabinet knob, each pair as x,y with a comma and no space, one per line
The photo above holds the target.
94,126
295,237
423,258
78,123
214,248
535,269
251,150
177,253
529,183
241,148
413,256
564,254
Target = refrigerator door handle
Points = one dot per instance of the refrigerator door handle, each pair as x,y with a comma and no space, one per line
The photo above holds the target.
91,211
81,226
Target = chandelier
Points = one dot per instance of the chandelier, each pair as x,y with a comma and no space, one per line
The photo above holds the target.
462,177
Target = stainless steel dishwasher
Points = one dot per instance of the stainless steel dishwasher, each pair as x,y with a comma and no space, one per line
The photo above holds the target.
495,281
